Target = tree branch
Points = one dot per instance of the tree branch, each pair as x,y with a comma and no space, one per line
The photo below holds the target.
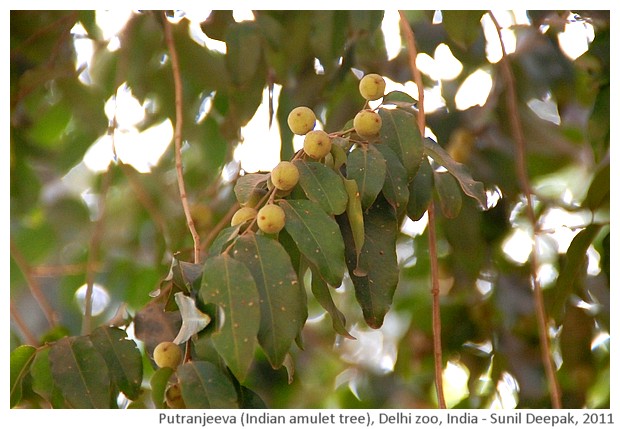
432,242
526,189
178,127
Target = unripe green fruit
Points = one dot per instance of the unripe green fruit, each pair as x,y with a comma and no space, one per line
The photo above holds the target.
285,176
372,87
167,355
317,144
174,399
301,120
271,219
243,214
367,123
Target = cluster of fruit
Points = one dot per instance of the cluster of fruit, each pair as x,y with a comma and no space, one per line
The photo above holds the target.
317,144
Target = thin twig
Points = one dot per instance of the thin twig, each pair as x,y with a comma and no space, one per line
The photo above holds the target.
17,318
33,284
223,223
520,160
178,126
93,253
432,241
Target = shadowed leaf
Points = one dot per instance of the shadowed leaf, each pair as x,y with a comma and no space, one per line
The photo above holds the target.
203,385
367,167
21,359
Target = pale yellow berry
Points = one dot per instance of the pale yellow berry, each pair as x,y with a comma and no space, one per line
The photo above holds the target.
242,215
317,144
167,355
271,219
372,86
367,123
301,120
285,176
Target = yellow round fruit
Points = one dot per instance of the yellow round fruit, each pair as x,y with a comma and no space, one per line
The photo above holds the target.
301,120
317,144
242,215
285,176
367,123
271,219
372,86
167,355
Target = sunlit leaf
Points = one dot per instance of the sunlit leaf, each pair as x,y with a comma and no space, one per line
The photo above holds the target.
449,193
194,320
367,167
375,290
282,306
322,185
229,285
42,380
470,186
420,191
355,215
323,295
400,132
21,359
122,357
317,236
203,385
81,373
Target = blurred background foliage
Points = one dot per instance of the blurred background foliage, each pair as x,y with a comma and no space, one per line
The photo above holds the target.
74,72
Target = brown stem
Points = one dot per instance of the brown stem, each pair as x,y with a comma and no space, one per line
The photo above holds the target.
178,126
432,241
93,253
520,160
17,318
33,284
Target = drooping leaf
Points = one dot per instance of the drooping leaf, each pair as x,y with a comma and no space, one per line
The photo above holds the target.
249,399
249,186
374,291
123,359
243,51
470,186
42,380
21,359
400,132
576,259
598,192
183,273
317,236
395,97
355,215
338,154
153,325
322,185
323,296
229,285
367,167
449,193
420,191
395,189
203,385
81,373
159,381
194,320
282,307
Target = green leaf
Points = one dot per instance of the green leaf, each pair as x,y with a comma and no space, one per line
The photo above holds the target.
228,284
282,307
323,296
43,382
355,215
400,132
399,97
420,191
203,385
122,357
449,193
159,381
317,236
395,189
470,186
374,291
223,239
243,51
367,167
570,272
194,320
249,399
81,373
598,192
21,359
463,26
250,187
322,185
